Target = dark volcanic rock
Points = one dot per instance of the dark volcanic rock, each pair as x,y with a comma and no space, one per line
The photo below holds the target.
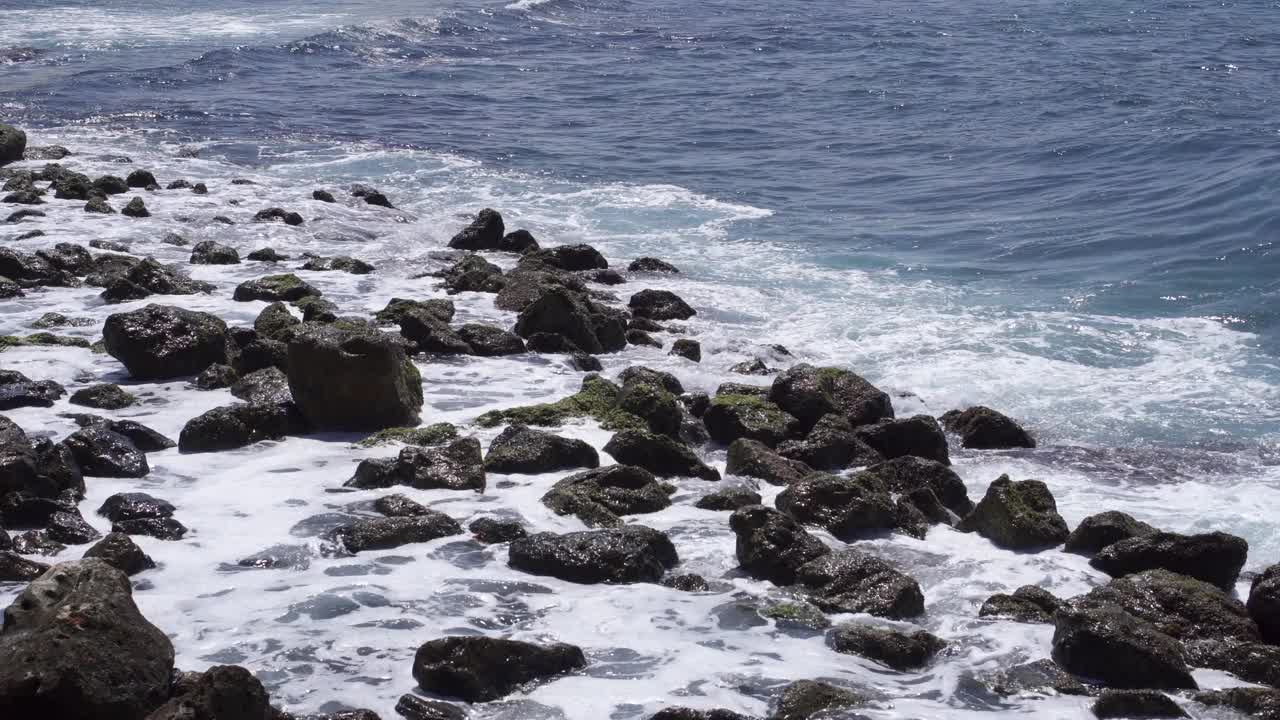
15,568
687,349
102,453
1249,661
484,233
159,528
159,342
411,707
1215,558
1264,603
848,507
985,429
490,341
472,273
111,185
730,417
106,396
399,506
492,530
390,532
1260,703
518,241
215,377
70,528
729,499
119,550
920,436
339,263
86,650
652,265
287,287
141,179
19,391
136,208
278,214
397,308
134,506
1136,704
629,554
521,449
223,692
660,305
235,426
684,713
832,444
429,333
208,252
479,669
858,582
267,386
1040,677
1117,649
898,650
1017,515
457,466
13,143
771,546
583,324
142,437
353,379
598,497
751,458
1179,606
804,699
909,474
1027,604
123,282
1098,531
809,393
659,454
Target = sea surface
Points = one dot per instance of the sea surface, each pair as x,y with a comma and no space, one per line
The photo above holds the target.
1065,210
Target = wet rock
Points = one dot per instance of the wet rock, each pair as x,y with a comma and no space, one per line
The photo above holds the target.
24,197
652,265
15,568
136,208
730,499
209,252
72,186
179,184
23,508
1264,603
645,397
755,366
689,582
1117,649
1098,531
832,444
434,434
199,189
730,417
520,449
1017,515
215,377
40,467
1136,704
484,233
1250,661
35,270
898,650
639,374
399,506
134,506
659,454
472,273
858,582
86,650
628,554
751,458
1027,604
518,241
479,669
68,257
457,466
119,551
411,707
111,185
809,393
236,426
1179,606
159,528
490,341
106,396
143,437
910,473
772,546
322,196
583,362
69,528
340,263
99,206
397,308
604,277
276,322
660,305
37,542
684,713
1215,558
13,143
491,530
159,342
804,699
567,258
982,428
920,436
276,214
287,288
848,507
584,325
390,532
267,386
599,497
141,179
19,391
1260,703
687,349
143,279
1041,677
223,692
430,334
353,379
102,453
639,337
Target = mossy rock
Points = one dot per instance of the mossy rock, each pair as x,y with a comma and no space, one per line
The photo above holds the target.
42,339
598,400
436,434
796,614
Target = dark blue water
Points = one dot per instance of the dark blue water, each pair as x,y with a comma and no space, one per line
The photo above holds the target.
1119,158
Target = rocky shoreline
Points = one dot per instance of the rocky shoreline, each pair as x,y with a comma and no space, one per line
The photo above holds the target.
844,465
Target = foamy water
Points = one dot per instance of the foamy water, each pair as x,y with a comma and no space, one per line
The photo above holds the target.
1166,419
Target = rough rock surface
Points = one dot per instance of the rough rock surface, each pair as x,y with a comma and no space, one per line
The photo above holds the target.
479,669
352,379
772,546
1215,558
629,554
858,582
1018,515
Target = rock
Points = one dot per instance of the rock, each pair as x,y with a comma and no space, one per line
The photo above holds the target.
13,143
771,546
920,436
730,417
99,205
1136,704
641,338
267,386
223,692
490,341
434,434
858,582
457,466
1017,515
1215,558
15,568
133,506
652,265
628,554
568,258
119,551
70,528
142,437
135,208
397,308
399,506
659,454
37,542
520,449
518,241
275,322
352,379
1178,606
832,444
280,214
1041,677
751,458
730,499
236,426
141,179
68,257
982,428
660,305
102,453
484,233
266,255
215,377
847,507
72,186
340,263
898,650
491,530
384,533
1250,661
146,278
106,396
288,288
24,197
86,650
808,393
209,252
598,497
684,713
479,669
111,185
1027,604
430,334
159,528
687,349
1098,531
583,362
804,699
910,473
411,707
23,214
322,196
199,189
46,152
159,342
645,397
1117,649
41,468
1264,603
586,326
19,391
637,374
1260,703
472,273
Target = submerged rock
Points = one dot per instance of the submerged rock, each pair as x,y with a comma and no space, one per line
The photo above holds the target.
629,554
772,546
1215,558
479,669
352,379
898,650
159,342
457,466
1017,515
492,530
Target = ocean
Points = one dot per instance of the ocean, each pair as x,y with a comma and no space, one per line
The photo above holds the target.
1064,210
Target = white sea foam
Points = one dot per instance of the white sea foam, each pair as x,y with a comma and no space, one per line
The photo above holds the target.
345,630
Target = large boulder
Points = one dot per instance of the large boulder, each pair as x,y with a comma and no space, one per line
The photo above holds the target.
1098,531
599,497
456,466
223,692
479,669
19,391
896,649
852,581
808,393
354,379
13,143
920,436
1215,557
239,425
1117,649
1250,661
629,554
384,533
659,454
1018,515
1178,606
848,507
102,453
730,417
159,342
484,233
982,428
521,449
752,458
772,546
86,651
583,325
1264,603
